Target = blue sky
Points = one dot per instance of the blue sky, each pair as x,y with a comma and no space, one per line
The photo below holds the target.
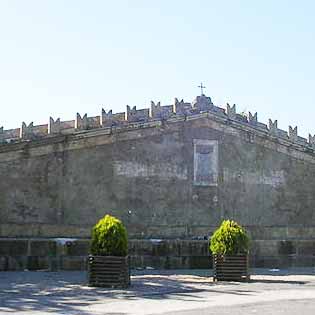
62,57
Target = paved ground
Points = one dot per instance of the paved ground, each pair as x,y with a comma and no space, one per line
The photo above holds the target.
175,292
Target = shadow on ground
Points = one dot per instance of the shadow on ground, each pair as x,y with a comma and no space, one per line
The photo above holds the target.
277,281
67,292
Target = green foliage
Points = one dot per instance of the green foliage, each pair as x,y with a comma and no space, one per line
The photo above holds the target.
229,239
109,238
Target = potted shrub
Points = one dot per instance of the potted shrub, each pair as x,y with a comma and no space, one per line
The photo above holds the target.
108,264
229,245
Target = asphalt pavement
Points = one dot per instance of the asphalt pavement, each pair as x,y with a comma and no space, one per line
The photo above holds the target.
178,292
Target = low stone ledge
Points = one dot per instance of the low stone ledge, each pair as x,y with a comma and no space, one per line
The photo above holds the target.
15,247
70,254
42,248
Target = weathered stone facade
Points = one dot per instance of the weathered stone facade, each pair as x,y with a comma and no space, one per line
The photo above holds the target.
170,173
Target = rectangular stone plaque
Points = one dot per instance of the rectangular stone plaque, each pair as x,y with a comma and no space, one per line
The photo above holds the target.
205,162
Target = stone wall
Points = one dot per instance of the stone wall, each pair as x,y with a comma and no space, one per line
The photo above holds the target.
175,177
71,254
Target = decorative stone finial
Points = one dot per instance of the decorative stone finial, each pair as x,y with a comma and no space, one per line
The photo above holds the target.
273,127
252,118
293,134
54,127
231,111
106,118
81,123
26,131
311,140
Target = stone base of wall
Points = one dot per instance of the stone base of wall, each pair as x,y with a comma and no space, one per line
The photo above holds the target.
71,254
51,231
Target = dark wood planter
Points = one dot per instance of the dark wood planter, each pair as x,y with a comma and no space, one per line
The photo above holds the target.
108,271
230,268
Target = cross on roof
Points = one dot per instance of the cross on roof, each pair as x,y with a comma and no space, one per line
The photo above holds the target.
201,86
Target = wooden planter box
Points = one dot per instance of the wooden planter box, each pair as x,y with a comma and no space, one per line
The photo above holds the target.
230,268
108,271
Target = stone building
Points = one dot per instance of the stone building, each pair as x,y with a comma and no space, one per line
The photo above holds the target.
171,173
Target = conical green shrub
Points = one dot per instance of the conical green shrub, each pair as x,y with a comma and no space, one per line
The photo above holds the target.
109,238
229,239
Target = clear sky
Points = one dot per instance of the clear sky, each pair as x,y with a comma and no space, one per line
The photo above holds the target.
62,57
